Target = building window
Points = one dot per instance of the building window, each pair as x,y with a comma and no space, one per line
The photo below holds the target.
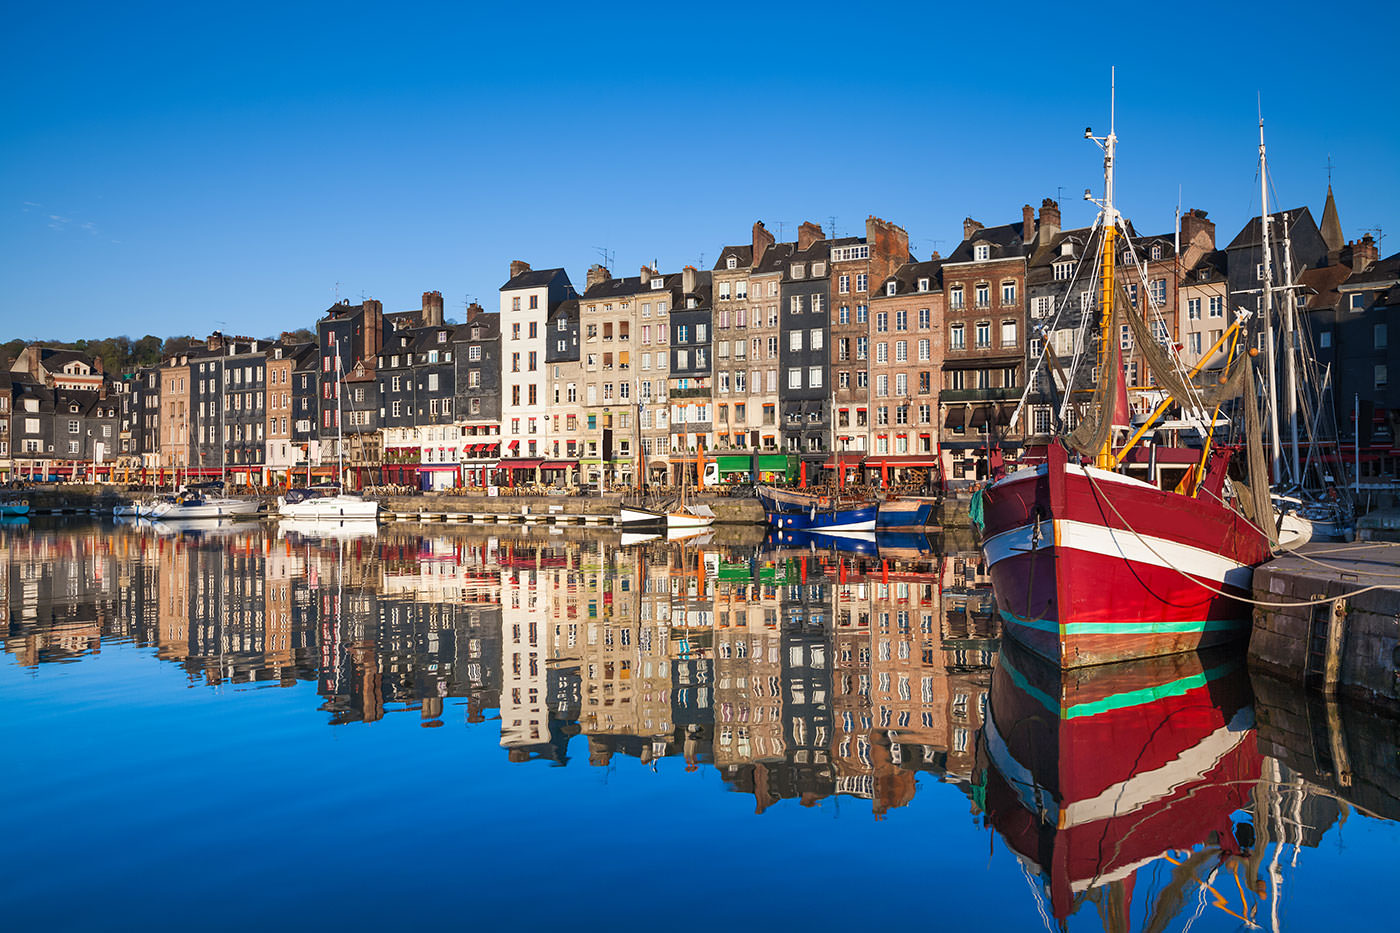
1193,309
1008,333
795,378
1357,302
861,281
814,377
843,284
1217,306
1381,376
1324,339
924,319
1379,336
955,297
882,384
882,322
957,337
984,334
981,253
984,295
1008,293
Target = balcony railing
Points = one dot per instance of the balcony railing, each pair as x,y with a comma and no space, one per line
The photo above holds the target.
978,395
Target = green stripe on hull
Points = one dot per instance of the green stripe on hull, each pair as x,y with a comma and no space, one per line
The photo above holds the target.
1117,701
1125,628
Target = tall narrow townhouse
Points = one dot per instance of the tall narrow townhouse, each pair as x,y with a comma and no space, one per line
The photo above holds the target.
689,389
984,308
527,299
859,267
565,376
741,334
607,322
805,389
349,338
652,364
1202,288
907,323
477,383
279,454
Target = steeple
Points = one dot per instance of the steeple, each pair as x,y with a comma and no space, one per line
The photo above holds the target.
1331,227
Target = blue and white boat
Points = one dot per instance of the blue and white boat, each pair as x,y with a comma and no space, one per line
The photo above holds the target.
906,512
14,508
789,510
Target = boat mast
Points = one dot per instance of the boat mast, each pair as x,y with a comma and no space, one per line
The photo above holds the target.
339,436
1290,339
1104,459
1275,449
223,405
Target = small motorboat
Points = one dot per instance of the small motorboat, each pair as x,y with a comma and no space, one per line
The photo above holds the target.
14,508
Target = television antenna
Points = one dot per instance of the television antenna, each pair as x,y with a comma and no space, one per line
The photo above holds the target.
609,256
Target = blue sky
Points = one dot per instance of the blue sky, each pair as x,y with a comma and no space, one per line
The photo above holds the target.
166,167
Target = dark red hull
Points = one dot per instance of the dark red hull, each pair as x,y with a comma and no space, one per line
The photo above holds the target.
1091,567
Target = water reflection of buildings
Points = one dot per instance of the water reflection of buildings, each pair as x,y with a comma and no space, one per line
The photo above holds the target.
798,675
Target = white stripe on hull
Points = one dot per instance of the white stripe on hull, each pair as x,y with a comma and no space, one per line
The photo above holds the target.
1142,549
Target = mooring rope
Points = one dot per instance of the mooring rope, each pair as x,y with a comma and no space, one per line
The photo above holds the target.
1219,592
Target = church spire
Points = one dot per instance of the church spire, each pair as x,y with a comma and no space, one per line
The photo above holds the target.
1331,227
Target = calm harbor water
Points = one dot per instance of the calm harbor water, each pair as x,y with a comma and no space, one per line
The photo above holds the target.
545,728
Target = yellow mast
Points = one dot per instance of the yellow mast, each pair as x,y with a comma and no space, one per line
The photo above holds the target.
1105,459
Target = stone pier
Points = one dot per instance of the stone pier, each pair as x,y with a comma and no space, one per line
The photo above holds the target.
1347,640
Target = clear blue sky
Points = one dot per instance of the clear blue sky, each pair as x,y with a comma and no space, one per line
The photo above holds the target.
164,167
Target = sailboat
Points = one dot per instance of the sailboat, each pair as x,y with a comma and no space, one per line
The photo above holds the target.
1091,565
1309,505
329,501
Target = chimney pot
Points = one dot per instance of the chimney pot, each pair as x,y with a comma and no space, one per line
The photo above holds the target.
517,266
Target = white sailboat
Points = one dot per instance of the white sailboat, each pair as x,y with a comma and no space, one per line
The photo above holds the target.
329,501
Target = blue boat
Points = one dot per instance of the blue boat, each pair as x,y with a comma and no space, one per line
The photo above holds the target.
800,511
862,543
906,513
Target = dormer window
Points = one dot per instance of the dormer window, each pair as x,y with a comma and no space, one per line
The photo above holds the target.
692,302
1156,250
658,283
818,269
1127,257
889,287
923,285
798,270
731,263
442,336
73,409
1063,271
981,252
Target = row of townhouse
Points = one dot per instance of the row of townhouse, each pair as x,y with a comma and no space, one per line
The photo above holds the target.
845,354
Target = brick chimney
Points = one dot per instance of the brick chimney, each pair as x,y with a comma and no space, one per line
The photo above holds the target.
646,275
518,266
1364,252
432,309
1049,220
762,240
807,234
1194,224
970,227
1027,223
215,342
889,246
688,280
473,310
596,275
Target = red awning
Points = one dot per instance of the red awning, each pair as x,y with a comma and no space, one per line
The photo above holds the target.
558,464
902,460
848,458
521,463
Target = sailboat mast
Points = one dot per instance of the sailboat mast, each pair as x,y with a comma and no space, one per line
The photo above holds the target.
1105,459
1290,340
223,404
1275,447
339,435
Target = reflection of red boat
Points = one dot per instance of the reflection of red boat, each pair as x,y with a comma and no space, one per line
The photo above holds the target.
1097,772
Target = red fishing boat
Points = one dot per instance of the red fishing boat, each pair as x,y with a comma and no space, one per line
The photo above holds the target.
1092,563
1090,775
